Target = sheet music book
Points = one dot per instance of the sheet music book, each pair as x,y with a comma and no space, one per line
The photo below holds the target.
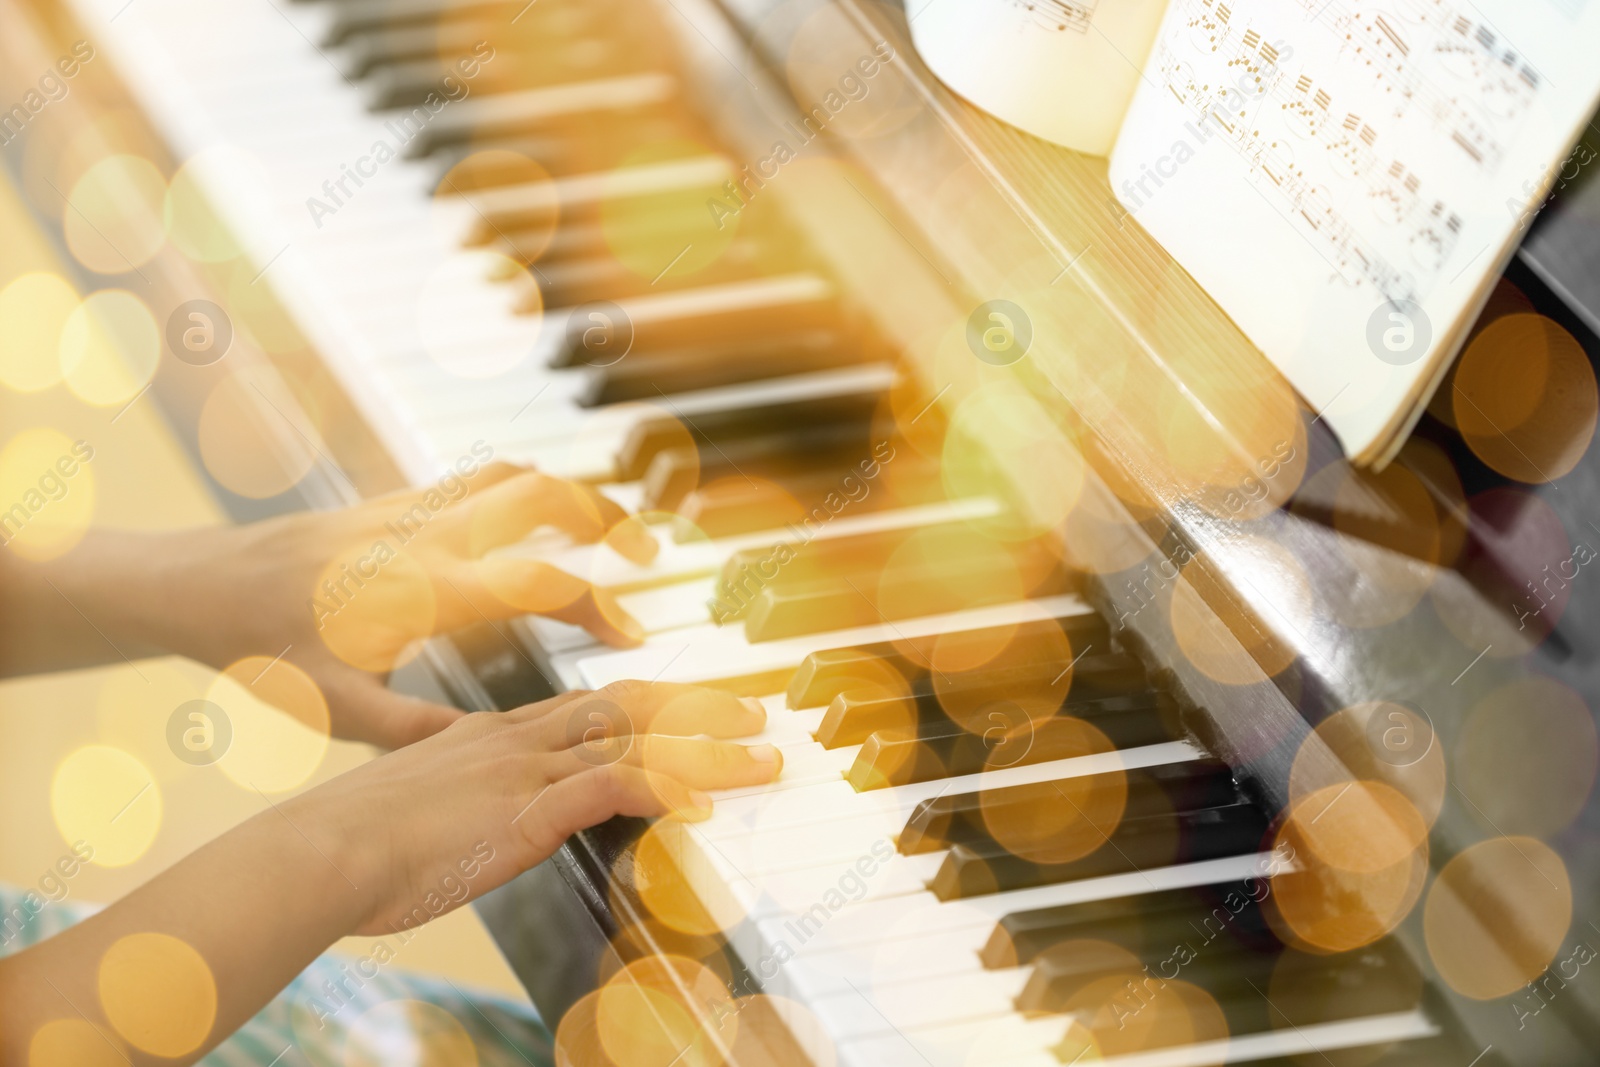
1347,178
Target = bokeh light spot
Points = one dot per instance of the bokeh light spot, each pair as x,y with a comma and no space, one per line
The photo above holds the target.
110,346
158,993
74,1043
34,309
1496,916
113,222
47,493
280,723
107,799
1525,398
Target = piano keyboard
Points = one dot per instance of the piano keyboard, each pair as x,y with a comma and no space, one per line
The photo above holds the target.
922,879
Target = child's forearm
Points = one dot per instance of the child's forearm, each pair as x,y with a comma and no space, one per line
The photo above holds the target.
86,608
178,965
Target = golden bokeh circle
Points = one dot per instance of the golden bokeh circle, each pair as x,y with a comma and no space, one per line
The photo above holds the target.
158,993
47,493
34,309
408,1033
280,724
671,232
192,223
1525,398
238,448
373,603
665,1009
999,426
106,798
1323,909
781,1031
74,1043
1362,827
1496,916
1527,757
657,862
114,221
110,347
1411,761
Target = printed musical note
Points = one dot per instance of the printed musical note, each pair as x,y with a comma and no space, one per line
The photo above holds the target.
1421,62
1060,15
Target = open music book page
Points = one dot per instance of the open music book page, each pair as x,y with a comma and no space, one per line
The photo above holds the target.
1347,178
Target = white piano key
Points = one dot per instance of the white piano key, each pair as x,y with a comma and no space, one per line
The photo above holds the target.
872,1009
833,799
963,1044
677,561
705,653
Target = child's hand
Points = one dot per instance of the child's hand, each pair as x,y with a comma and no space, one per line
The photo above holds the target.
345,595
418,824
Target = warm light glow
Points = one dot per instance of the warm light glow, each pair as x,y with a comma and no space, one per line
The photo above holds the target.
1497,916
248,445
110,347
1527,758
107,800
47,493
34,309
280,724
74,1043
113,223
158,993
1525,398
658,864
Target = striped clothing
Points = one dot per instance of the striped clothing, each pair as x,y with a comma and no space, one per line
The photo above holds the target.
340,1012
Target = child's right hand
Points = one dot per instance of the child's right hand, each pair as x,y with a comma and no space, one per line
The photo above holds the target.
406,828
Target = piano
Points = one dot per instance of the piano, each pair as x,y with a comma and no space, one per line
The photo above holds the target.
1122,718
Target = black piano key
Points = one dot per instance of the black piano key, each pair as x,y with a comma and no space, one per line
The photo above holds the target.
715,314
968,818
351,17
1376,980
405,83
586,281
1040,687
1138,922
714,430
675,473
780,611
824,675
748,571
926,753
366,51
1137,844
621,99
697,367
736,506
